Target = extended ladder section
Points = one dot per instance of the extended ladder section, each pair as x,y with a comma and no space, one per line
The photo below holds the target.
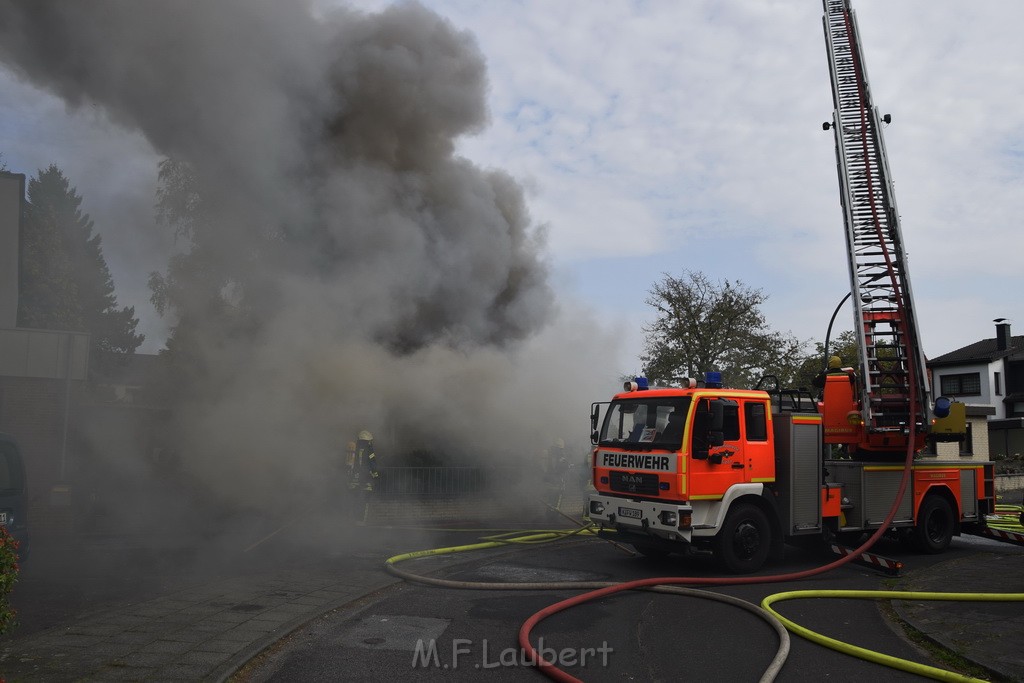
892,362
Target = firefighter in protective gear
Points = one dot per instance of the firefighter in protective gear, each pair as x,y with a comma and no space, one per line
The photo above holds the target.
362,463
557,463
556,468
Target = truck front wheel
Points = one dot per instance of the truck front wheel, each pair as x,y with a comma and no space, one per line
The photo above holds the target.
743,543
935,525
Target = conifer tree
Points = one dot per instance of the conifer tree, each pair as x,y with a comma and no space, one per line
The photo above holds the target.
64,281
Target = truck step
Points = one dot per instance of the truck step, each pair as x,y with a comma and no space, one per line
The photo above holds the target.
883,564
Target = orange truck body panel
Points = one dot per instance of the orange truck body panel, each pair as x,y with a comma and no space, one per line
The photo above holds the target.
838,403
926,479
831,502
756,443
840,410
751,460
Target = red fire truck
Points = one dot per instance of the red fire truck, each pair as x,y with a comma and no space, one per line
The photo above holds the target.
740,472
702,467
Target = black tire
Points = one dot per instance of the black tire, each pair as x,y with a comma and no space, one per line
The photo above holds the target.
743,543
935,525
650,551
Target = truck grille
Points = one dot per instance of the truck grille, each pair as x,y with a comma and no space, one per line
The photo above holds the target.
628,482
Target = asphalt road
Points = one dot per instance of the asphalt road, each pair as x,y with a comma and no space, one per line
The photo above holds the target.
468,634
416,632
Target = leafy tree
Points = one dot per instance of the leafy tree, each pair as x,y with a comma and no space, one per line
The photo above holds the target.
197,284
64,281
179,205
843,345
703,325
201,280
846,346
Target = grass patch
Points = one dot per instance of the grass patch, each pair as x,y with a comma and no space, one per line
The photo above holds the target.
949,659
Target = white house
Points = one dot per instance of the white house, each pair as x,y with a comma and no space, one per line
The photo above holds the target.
988,376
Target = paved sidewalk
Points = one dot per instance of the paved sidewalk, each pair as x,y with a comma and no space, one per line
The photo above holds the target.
990,634
202,625
200,633
121,605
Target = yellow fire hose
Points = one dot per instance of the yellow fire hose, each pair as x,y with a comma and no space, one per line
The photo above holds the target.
539,537
870,655
1007,517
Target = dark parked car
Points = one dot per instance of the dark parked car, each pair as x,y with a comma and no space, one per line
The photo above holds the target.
13,496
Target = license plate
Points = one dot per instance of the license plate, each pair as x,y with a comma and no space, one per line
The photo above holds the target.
632,513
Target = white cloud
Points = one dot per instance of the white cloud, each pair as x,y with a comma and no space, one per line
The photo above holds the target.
706,118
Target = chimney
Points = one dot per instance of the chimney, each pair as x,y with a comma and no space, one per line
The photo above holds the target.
12,194
1002,334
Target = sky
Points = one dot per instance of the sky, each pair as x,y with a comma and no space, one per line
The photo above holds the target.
658,137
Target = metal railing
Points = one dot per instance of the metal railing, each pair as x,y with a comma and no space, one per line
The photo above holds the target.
443,481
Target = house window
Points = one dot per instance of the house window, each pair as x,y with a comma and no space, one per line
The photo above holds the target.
997,385
968,384
967,445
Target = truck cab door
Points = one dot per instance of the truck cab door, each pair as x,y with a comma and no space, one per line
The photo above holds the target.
716,450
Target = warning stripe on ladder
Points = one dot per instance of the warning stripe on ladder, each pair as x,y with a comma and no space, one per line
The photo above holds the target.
885,564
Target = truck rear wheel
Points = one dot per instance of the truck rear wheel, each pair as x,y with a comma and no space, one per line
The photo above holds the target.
935,525
744,541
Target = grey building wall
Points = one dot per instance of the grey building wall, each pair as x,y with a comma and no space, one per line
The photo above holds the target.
12,193
49,354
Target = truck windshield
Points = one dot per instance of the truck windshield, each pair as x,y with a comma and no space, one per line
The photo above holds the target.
645,423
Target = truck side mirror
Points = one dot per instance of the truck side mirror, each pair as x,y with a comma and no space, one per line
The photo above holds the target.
708,428
717,415
716,429
595,415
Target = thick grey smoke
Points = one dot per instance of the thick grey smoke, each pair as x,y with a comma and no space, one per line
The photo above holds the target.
393,285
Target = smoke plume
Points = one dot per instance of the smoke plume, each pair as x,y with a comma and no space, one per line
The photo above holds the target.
388,283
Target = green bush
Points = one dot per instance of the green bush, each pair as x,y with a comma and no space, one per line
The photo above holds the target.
1009,464
8,576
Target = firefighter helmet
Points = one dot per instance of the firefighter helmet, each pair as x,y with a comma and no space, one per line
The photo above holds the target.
365,436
